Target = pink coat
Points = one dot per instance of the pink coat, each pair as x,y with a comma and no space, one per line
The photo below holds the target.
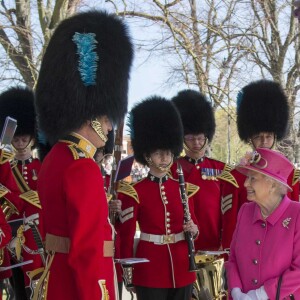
263,250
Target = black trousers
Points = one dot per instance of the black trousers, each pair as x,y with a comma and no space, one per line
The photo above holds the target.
146,293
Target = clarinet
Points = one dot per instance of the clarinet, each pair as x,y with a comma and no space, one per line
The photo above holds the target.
187,217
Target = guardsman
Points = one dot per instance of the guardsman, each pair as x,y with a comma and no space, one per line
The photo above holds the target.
262,120
81,93
155,203
199,127
18,103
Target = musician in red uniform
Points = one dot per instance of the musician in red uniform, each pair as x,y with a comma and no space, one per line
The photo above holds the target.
17,102
77,106
262,120
155,203
199,126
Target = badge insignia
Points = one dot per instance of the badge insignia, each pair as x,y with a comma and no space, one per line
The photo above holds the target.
286,222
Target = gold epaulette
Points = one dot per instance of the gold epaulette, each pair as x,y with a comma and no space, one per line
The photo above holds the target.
296,176
3,190
128,189
227,176
32,197
5,156
77,152
191,189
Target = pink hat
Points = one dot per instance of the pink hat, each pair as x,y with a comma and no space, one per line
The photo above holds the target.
267,162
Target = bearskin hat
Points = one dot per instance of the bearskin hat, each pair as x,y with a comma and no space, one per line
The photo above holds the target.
84,73
155,124
196,113
18,103
262,106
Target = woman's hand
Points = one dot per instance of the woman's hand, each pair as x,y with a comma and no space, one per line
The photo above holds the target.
191,227
237,294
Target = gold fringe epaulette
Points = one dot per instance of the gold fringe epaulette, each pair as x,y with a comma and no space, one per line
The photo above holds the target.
296,176
128,189
5,156
3,190
191,189
227,176
32,197
77,152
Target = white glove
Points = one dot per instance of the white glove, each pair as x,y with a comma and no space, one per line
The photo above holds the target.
237,294
259,294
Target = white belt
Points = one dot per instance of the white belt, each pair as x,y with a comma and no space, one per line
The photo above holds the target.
162,239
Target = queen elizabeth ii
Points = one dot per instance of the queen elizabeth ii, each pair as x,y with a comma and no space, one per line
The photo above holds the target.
264,260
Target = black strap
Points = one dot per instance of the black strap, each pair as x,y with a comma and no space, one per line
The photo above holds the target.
278,288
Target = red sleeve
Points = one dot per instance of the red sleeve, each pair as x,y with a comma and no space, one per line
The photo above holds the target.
88,227
128,218
232,199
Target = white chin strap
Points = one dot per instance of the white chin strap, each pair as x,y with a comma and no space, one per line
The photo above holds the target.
163,169
96,125
186,148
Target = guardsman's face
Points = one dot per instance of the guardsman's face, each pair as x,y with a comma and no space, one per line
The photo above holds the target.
161,158
20,142
195,143
263,140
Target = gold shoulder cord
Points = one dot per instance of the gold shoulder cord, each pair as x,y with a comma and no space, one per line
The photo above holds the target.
227,176
191,189
5,156
296,176
129,190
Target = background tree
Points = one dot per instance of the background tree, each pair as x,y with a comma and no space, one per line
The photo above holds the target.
220,46
25,29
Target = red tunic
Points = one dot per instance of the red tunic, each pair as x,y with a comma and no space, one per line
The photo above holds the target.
144,202
234,197
207,202
70,187
26,175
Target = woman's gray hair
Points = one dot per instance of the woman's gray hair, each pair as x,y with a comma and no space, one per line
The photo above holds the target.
280,188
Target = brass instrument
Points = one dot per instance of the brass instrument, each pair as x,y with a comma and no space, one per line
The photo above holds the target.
210,283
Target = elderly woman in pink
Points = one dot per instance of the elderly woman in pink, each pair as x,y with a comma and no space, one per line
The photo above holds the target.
266,241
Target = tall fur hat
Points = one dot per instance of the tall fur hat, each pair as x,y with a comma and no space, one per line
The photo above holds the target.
262,106
155,124
18,103
196,113
84,73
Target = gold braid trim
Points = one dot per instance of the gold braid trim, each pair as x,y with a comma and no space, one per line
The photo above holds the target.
77,152
191,189
5,156
227,176
296,176
32,197
129,190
